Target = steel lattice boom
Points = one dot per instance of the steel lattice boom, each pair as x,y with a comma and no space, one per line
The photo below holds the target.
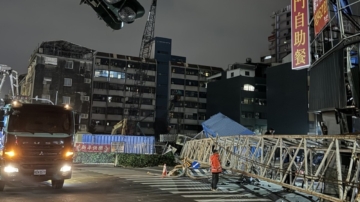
337,170
148,36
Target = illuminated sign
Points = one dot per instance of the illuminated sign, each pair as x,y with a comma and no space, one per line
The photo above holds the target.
300,39
321,15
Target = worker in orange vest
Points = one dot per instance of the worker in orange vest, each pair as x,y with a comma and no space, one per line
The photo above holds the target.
215,169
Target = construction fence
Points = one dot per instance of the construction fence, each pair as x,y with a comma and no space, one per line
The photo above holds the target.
102,148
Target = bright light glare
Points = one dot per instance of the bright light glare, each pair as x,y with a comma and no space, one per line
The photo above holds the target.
10,153
69,153
11,169
65,168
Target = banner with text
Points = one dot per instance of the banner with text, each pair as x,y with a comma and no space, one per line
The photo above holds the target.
80,147
321,15
300,39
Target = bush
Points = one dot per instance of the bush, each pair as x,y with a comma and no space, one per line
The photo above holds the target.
144,160
93,157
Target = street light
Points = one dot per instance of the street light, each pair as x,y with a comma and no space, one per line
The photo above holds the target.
116,12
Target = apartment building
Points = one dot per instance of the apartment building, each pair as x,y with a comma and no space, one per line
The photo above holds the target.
114,87
189,82
61,72
105,87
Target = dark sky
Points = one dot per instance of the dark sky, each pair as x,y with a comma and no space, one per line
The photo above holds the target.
207,32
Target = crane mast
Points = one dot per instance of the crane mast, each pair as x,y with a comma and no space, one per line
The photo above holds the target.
140,77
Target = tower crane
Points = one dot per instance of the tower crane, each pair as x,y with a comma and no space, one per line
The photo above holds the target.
140,77
13,77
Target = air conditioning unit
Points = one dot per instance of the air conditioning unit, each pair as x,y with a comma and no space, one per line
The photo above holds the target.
87,80
86,98
83,127
84,116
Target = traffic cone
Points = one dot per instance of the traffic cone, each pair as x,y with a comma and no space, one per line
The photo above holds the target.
164,172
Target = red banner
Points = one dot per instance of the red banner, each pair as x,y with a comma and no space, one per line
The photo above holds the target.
321,15
300,39
80,147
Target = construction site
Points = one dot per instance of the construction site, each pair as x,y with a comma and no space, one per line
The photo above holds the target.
118,95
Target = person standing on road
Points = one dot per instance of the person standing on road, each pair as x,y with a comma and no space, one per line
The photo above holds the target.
215,169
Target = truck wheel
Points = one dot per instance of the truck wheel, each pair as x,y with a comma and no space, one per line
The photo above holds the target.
2,185
57,184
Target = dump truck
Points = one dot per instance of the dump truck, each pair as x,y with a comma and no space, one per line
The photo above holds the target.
36,143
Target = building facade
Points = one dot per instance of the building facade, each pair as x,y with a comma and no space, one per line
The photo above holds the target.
61,72
240,94
105,87
287,95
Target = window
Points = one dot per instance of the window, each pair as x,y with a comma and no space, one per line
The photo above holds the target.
247,73
248,87
69,65
232,74
66,100
247,101
67,82
101,73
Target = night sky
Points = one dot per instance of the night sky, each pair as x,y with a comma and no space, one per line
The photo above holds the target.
207,32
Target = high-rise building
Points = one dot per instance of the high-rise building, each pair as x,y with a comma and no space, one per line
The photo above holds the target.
280,38
103,87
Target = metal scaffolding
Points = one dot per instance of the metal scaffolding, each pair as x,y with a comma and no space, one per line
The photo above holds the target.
334,177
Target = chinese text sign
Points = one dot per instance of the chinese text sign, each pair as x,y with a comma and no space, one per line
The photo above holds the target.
300,39
321,15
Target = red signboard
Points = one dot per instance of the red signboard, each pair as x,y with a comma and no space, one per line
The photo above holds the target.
80,147
300,39
321,15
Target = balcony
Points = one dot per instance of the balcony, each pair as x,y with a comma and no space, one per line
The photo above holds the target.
116,92
190,121
100,91
177,76
99,104
147,107
101,67
115,104
114,117
98,116
192,77
191,88
101,79
114,80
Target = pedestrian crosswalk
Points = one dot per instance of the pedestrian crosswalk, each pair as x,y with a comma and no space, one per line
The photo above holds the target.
197,190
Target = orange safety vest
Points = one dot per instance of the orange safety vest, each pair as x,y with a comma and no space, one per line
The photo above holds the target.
215,163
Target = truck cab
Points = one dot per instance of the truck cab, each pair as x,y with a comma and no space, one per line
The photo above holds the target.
36,143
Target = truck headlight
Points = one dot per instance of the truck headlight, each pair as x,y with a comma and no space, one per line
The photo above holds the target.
65,168
11,169
69,153
10,153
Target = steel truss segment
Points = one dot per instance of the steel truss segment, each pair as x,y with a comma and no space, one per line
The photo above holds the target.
275,158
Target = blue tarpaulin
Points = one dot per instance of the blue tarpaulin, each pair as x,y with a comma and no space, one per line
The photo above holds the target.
221,125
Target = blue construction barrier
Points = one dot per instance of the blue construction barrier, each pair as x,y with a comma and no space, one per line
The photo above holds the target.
132,144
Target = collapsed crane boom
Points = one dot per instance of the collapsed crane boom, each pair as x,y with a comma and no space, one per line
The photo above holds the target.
337,169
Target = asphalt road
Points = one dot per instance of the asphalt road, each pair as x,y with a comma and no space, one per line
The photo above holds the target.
108,184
